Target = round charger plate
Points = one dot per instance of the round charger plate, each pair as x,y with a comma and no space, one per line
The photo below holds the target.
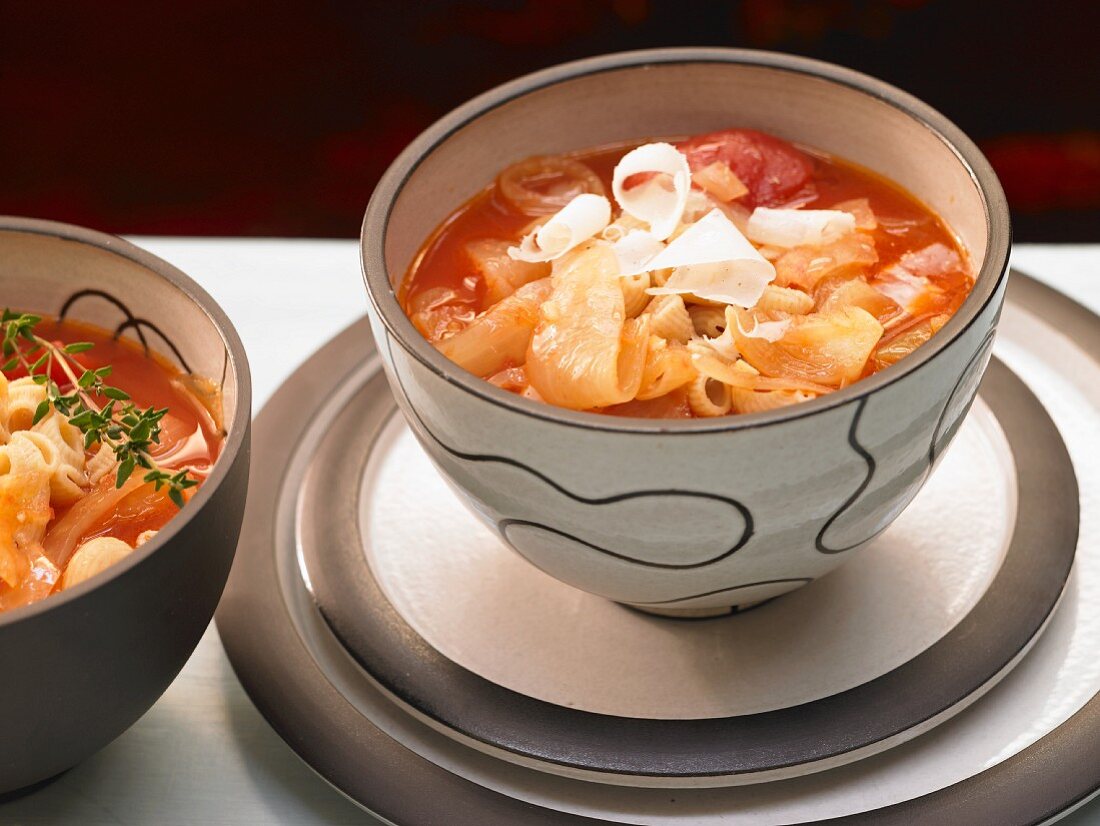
301,675
474,640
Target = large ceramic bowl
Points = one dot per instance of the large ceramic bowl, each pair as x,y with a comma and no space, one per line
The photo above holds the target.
704,514
78,668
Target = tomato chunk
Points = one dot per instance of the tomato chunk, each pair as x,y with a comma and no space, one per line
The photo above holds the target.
775,172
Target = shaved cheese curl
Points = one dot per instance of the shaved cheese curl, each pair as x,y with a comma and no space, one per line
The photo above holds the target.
724,345
714,261
580,219
635,250
653,201
798,227
767,330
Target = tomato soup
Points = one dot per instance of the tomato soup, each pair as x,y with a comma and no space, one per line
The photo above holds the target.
69,506
726,273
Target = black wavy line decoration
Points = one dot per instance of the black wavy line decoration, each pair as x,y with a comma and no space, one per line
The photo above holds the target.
138,325
505,524
935,448
819,542
605,500
110,299
805,580
938,441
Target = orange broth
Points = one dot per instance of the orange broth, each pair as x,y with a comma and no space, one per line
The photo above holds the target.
905,225
190,437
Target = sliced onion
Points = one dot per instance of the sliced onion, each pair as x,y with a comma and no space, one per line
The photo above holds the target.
805,266
584,352
498,338
838,292
860,208
825,348
720,181
94,509
544,184
440,312
501,274
727,372
900,344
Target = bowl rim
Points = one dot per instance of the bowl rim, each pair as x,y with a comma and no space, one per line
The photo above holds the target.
988,280
236,435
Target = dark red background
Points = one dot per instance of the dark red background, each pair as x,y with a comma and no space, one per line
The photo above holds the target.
217,117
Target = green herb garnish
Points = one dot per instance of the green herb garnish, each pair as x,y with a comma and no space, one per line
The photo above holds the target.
126,429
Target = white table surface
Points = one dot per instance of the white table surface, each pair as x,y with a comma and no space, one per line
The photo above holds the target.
203,754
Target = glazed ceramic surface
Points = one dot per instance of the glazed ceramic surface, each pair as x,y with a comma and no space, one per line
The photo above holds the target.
467,637
689,516
81,666
1023,754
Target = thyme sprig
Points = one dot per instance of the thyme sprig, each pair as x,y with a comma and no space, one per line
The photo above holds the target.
125,428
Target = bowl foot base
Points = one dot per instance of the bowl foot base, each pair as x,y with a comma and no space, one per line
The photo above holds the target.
15,794
694,613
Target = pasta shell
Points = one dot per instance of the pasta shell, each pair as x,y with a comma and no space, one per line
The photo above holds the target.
101,464
707,321
669,318
66,479
709,398
65,437
634,293
660,277
94,557
24,396
751,401
785,299
24,507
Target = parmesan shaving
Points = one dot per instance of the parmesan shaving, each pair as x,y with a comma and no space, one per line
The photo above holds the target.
576,222
798,227
653,201
696,206
770,331
634,250
724,345
714,261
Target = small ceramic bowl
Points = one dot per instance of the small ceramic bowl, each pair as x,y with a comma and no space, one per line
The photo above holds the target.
81,666
689,517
